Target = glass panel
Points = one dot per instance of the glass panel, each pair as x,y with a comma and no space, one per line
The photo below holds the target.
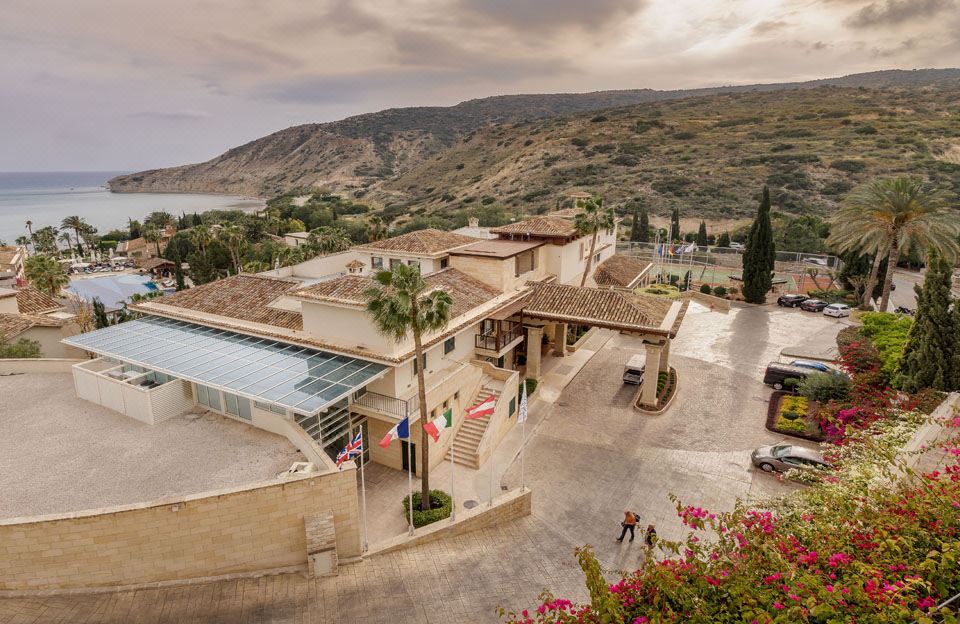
202,395
230,401
244,408
215,400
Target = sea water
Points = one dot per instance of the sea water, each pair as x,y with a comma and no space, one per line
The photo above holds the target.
45,198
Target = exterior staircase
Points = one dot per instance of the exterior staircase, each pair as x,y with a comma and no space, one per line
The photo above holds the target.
466,442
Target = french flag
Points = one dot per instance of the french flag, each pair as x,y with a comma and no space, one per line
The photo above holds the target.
400,431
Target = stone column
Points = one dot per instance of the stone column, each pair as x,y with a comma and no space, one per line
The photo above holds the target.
648,391
665,357
534,340
560,339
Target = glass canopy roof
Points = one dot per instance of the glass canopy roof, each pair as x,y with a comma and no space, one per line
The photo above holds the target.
298,378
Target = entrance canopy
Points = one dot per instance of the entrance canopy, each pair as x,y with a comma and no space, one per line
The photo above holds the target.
266,370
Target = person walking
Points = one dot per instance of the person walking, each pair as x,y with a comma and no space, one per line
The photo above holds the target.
651,537
629,524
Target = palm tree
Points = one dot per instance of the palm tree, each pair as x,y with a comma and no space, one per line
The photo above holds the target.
160,219
151,235
75,223
589,222
201,237
65,239
22,241
376,230
30,227
234,238
889,215
325,240
45,240
45,274
400,305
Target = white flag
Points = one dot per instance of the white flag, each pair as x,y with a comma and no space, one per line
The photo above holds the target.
522,418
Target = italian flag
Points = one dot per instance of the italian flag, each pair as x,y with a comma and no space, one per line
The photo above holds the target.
442,421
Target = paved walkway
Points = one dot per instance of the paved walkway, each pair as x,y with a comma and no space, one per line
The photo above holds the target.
589,456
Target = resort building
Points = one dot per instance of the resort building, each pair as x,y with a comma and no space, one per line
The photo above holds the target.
11,266
27,313
295,352
140,249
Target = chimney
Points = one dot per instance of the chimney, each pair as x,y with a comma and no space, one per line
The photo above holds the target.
473,222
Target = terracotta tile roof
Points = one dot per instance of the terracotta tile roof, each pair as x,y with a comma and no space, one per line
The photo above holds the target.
600,307
466,292
12,325
154,263
355,264
546,225
8,254
32,301
422,242
620,270
243,297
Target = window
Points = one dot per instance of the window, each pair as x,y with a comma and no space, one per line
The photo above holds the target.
414,263
525,262
394,262
513,406
244,405
202,397
446,404
415,363
449,344
230,400
377,263
456,395
215,400
596,259
444,263
270,407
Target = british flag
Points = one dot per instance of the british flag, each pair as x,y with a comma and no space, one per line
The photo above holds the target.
353,449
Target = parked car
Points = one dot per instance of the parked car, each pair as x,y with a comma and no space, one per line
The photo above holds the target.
816,261
837,310
783,457
813,305
736,246
777,374
790,301
633,371
817,366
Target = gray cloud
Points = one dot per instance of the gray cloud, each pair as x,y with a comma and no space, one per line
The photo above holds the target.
343,17
770,26
185,115
538,17
897,12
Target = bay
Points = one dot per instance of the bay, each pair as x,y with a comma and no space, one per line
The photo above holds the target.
46,197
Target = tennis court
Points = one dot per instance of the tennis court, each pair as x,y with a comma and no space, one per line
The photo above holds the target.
722,276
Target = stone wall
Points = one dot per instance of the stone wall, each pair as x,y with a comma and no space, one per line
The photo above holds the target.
229,532
36,365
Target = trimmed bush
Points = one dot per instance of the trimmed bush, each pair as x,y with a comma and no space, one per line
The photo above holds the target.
794,425
441,505
531,386
888,333
705,289
720,291
824,387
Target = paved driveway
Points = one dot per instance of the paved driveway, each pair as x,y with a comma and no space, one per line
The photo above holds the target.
590,457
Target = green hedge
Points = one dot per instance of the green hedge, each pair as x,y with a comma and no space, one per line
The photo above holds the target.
531,386
441,502
888,333
796,425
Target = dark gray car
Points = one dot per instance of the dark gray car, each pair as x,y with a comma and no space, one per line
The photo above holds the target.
783,457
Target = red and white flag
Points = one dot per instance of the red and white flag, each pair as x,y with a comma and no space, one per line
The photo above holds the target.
482,409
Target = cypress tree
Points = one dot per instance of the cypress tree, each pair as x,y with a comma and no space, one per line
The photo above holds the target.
100,314
178,268
644,226
759,258
702,234
724,240
635,228
675,223
929,357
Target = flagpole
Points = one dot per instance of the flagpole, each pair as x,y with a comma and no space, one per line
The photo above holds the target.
453,501
490,502
363,494
410,477
523,430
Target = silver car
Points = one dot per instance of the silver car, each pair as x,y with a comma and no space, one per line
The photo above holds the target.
783,457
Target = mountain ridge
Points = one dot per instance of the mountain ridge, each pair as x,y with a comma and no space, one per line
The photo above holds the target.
367,154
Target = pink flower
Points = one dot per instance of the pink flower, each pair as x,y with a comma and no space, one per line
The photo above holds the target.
778,605
838,559
641,620
926,603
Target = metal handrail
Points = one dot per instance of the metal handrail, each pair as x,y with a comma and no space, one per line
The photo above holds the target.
497,339
386,404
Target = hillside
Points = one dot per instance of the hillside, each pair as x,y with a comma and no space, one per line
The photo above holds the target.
711,147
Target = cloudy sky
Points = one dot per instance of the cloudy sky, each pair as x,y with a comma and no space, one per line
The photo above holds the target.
130,84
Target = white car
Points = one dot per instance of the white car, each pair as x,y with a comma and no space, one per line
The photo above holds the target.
838,310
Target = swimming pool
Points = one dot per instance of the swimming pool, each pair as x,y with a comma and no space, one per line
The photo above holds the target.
112,290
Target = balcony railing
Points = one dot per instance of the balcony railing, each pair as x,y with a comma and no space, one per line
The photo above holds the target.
499,337
387,404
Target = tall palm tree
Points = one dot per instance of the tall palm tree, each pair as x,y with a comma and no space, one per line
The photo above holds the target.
400,305
234,238
889,215
30,227
22,241
375,229
326,239
201,237
66,240
45,274
151,235
75,223
589,221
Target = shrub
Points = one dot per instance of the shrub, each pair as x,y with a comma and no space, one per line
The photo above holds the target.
824,387
684,136
850,166
705,289
720,291
794,425
791,383
598,118
579,142
531,386
888,333
865,129
440,502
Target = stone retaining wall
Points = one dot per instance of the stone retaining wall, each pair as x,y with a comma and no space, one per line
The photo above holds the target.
214,534
36,365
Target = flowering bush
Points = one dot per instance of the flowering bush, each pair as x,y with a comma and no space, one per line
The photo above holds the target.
873,542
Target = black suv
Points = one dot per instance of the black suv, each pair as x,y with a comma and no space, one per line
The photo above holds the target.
790,301
813,305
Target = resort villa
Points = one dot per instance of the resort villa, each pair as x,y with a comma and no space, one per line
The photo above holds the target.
294,351
27,313
11,266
